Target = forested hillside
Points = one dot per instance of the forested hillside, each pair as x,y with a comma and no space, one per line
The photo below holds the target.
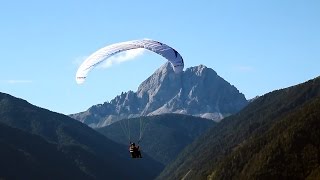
274,137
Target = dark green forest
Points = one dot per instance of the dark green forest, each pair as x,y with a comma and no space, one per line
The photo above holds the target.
274,137
28,156
290,149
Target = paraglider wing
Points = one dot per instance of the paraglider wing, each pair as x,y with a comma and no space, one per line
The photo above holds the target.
104,53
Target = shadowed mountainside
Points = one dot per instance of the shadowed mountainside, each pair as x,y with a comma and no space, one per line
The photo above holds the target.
274,137
164,136
84,149
28,156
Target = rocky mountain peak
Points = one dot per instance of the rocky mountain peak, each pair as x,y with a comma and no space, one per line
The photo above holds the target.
199,70
197,91
163,74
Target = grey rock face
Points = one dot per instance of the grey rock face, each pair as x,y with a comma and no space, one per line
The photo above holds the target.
197,91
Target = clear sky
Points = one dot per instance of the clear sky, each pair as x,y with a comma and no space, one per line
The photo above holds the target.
257,46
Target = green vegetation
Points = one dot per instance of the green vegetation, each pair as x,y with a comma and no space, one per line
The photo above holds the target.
290,149
74,146
28,156
274,137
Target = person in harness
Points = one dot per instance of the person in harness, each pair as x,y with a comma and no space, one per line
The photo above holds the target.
132,148
134,151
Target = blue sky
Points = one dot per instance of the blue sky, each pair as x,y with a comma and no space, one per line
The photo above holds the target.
258,46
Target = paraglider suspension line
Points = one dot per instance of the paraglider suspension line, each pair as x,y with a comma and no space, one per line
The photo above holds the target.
125,126
143,126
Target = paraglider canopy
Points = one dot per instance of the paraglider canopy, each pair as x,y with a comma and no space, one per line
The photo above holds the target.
104,53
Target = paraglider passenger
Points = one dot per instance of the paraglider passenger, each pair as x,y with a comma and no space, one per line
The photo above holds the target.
132,148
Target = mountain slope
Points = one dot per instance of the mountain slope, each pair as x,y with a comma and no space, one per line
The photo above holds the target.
89,151
275,136
164,135
197,91
18,154
290,149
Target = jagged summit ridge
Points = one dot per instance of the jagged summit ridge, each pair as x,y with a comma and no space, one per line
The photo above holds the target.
197,91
